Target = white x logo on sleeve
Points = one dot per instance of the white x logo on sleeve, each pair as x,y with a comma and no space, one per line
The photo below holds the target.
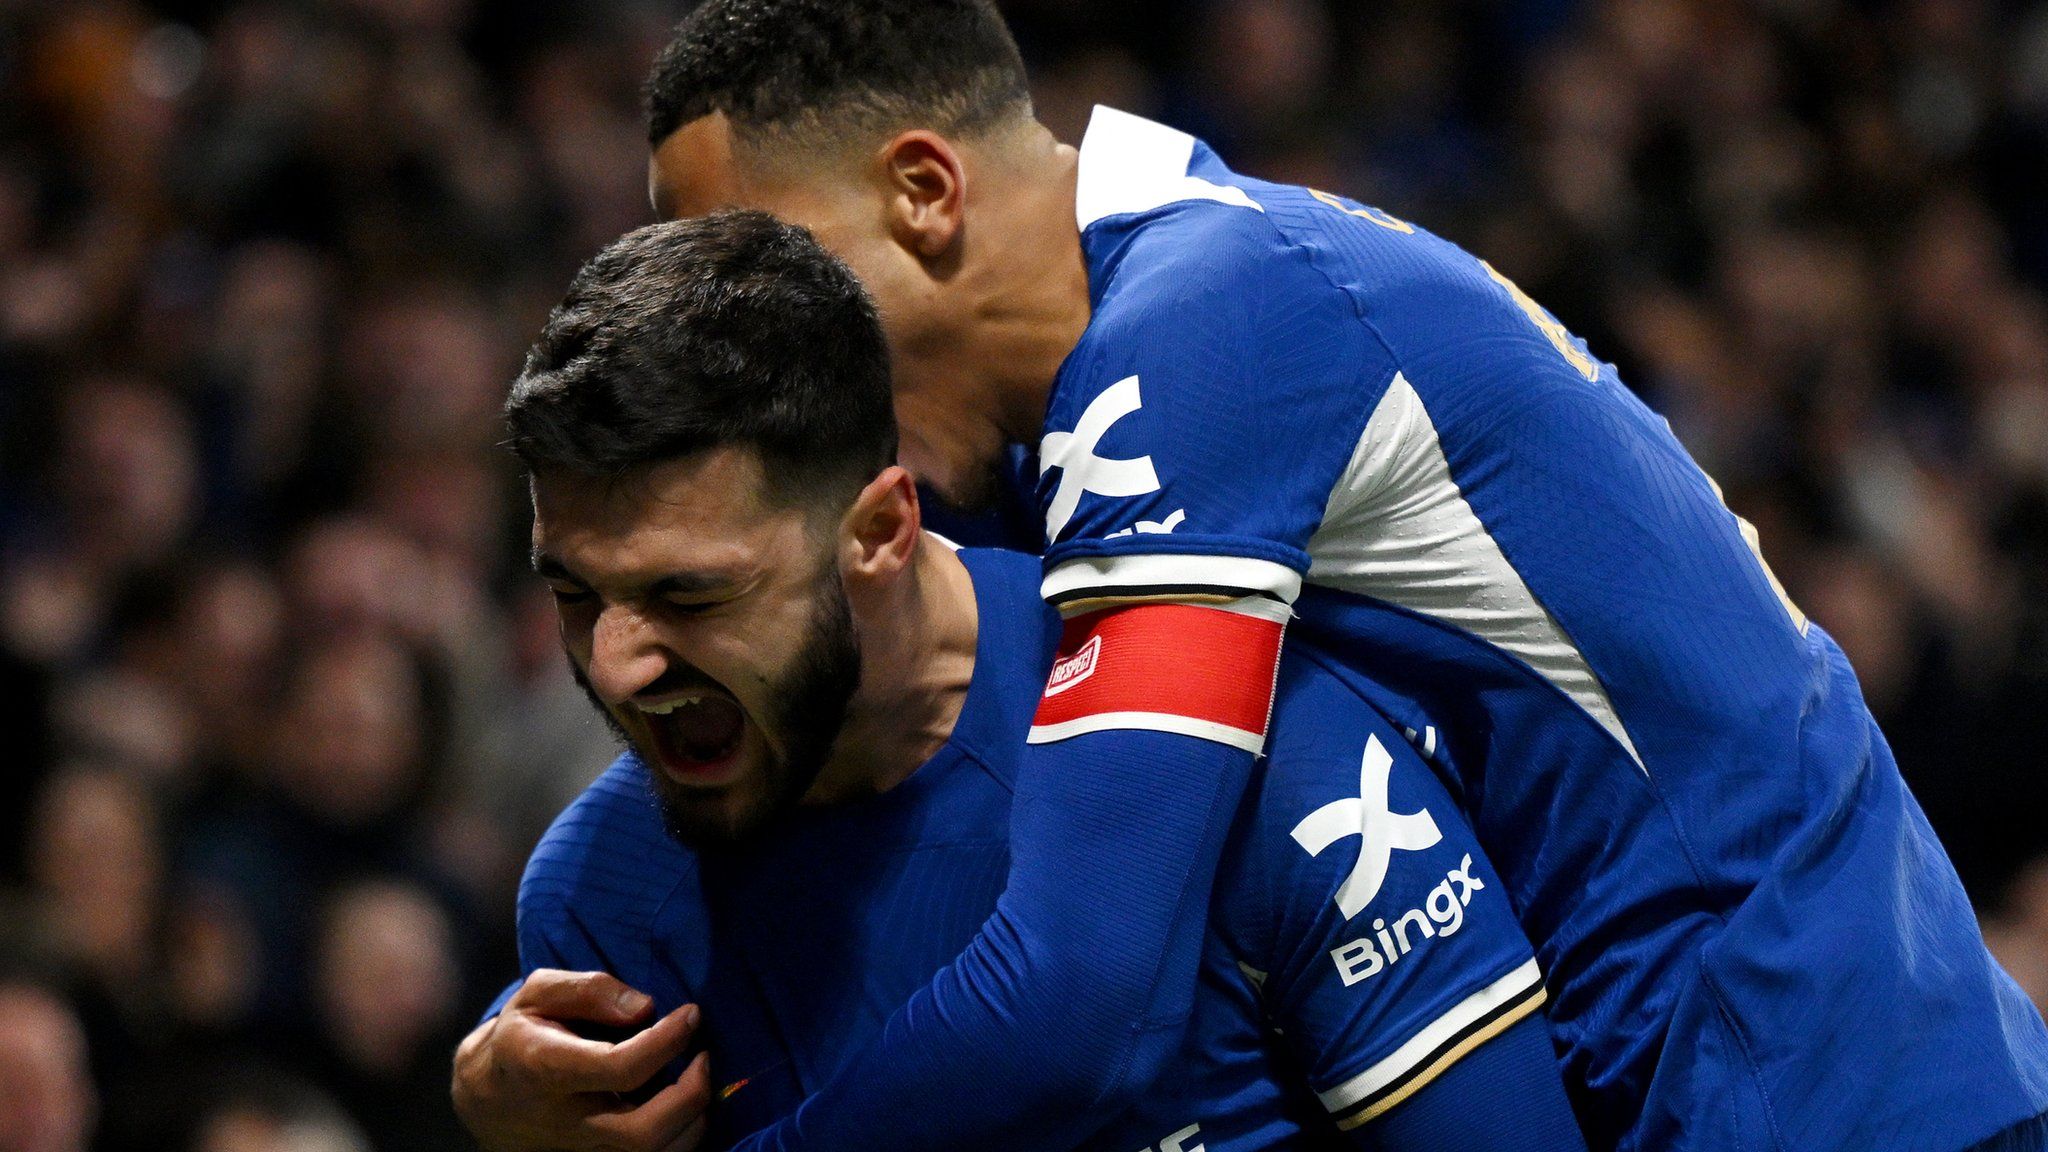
1081,470
1379,830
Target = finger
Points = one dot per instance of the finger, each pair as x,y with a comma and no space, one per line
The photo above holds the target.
547,1059
551,1059
638,1057
666,1119
598,997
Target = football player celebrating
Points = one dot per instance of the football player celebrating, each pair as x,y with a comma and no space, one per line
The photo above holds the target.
1248,397
746,593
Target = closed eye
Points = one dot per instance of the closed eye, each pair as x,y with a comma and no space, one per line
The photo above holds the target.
567,594
691,607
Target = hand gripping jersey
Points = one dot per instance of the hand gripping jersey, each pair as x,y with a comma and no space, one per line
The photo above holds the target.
1355,914
1752,937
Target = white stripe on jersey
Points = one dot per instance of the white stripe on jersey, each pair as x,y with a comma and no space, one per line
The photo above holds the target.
1130,164
1167,577
1252,742
1398,529
1474,1020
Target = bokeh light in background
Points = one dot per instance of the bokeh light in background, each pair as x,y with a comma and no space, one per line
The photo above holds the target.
282,712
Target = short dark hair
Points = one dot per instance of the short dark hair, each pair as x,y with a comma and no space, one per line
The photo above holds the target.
729,329
792,65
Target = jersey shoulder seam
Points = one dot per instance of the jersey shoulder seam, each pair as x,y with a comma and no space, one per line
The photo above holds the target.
974,756
1358,309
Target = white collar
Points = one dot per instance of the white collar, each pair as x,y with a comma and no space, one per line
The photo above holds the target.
1131,164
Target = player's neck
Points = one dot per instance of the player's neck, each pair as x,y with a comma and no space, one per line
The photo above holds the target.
915,671
1032,302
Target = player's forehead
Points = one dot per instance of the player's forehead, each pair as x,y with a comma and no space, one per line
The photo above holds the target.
710,510
703,167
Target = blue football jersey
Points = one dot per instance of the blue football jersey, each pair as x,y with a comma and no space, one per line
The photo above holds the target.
1347,890
1752,938
1360,941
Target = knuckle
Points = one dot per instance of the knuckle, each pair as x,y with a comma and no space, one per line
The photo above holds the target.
524,1054
536,983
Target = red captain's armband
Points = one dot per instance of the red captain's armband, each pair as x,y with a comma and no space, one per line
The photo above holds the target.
1198,670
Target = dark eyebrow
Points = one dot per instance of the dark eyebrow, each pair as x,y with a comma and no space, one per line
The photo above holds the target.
674,584
550,568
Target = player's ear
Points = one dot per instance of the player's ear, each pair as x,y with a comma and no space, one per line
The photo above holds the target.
927,192
878,536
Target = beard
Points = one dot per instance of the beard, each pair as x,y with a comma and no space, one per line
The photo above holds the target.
807,709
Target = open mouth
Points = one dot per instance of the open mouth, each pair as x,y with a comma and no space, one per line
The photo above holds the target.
696,736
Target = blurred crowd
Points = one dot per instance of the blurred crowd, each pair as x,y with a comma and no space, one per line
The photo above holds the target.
283,713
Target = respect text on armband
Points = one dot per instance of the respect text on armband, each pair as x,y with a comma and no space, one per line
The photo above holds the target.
1442,914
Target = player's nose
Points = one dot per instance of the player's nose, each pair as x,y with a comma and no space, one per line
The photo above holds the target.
626,653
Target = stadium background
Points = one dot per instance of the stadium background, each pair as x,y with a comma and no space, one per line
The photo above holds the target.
282,713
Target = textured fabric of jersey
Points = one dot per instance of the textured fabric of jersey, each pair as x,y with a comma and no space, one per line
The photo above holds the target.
1752,937
801,946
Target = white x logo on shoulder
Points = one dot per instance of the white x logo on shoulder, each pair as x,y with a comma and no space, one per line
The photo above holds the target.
1084,471
1378,829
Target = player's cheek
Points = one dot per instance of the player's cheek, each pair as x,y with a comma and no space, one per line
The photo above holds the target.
576,624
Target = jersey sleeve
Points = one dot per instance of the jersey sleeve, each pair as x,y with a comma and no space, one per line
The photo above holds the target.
1197,431
1073,999
549,933
1386,947
596,885
1505,1096
505,997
